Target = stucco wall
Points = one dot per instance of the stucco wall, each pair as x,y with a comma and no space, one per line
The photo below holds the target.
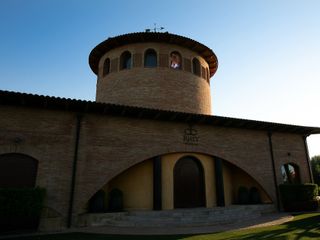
136,184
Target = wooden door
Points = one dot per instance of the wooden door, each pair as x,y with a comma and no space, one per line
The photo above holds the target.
189,191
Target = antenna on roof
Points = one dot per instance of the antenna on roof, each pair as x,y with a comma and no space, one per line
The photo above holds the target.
155,28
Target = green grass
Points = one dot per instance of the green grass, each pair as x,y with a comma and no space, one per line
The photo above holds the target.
303,226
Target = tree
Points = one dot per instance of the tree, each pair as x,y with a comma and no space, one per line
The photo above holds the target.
315,166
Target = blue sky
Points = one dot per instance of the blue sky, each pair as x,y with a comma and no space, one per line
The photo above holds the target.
268,51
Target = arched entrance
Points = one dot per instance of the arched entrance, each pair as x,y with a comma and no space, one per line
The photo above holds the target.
189,190
17,171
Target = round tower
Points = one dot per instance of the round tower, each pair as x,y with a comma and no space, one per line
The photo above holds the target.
154,70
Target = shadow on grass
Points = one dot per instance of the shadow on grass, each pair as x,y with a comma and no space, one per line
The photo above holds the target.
305,228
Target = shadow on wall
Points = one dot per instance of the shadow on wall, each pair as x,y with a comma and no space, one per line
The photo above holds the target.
241,188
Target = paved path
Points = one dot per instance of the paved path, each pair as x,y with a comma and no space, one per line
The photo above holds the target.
266,220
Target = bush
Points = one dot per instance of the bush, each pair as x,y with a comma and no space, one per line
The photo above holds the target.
20,208
299,197
310,205
315,167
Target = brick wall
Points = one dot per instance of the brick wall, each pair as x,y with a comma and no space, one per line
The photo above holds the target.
109,145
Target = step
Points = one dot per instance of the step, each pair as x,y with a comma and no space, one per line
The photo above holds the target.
177,217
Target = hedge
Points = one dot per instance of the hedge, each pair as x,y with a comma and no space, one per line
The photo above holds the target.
299,197
20,208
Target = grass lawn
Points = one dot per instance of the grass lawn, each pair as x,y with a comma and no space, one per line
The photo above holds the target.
303,226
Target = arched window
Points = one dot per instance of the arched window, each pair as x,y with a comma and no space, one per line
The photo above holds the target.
96,202
17,171
150,58
106,67
175,60
290,173
196,67
125,60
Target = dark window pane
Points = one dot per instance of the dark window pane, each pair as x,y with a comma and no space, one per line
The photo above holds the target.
125,60
196,67
106,67
150,58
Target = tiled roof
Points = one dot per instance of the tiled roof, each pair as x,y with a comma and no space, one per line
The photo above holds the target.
79,106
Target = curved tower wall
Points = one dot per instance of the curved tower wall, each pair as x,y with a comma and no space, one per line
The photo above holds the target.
160,87
176,77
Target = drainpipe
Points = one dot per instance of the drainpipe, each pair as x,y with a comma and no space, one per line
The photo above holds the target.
74,170
307,157
274,170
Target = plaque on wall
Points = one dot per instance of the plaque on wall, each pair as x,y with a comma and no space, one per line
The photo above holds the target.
190,136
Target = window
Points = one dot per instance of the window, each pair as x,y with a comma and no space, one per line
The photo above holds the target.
150,58
290,173
106,67
125,60
175,60
196,67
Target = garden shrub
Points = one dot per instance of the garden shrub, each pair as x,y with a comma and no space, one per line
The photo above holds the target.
20,208
299,197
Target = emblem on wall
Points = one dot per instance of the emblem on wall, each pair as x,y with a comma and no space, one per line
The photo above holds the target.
190,136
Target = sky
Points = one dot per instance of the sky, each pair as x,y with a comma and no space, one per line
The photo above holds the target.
268,51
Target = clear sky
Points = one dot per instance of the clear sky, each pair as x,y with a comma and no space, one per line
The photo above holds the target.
268,51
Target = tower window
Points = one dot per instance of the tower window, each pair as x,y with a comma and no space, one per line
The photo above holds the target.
106,67
196,67
175,60
150,58
125,60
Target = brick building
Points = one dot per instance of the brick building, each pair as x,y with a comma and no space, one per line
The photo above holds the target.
150,136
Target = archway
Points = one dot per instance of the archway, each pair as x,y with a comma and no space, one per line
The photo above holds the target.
17,171
189,190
